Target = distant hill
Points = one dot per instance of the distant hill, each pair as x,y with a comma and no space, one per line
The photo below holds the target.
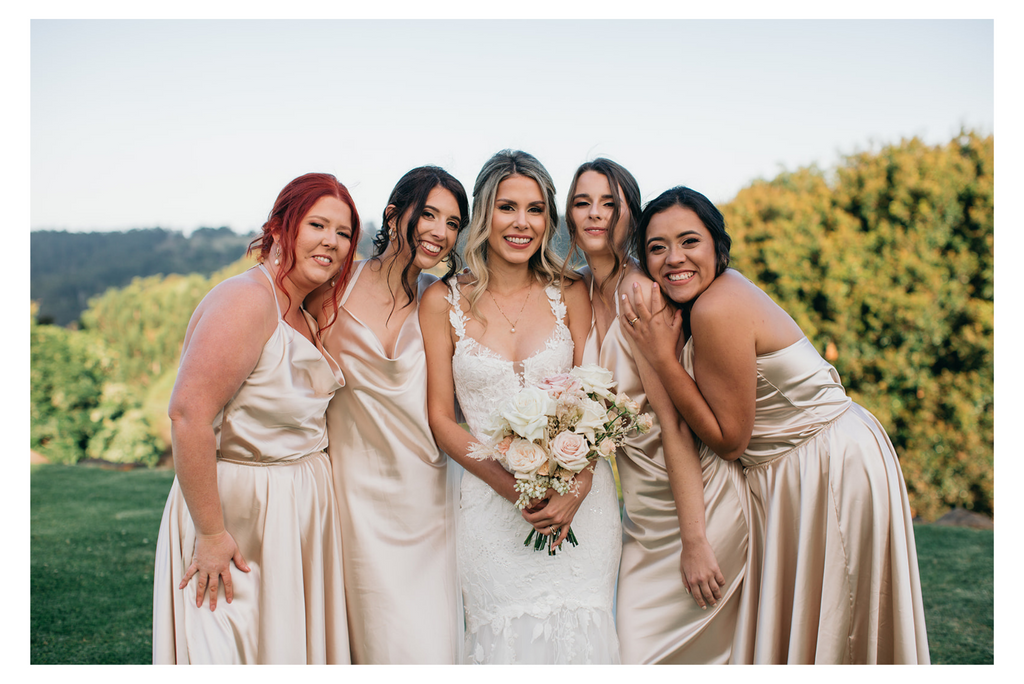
69,268
66,269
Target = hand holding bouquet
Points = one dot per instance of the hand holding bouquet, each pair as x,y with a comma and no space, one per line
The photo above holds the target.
546,434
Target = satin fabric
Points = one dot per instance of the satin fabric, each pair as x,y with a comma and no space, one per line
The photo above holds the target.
274,481
396,509
657,621
832,542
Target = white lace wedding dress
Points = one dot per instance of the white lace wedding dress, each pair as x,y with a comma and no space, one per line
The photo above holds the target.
524,606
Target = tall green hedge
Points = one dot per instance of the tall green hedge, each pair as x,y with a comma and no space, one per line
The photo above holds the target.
887,265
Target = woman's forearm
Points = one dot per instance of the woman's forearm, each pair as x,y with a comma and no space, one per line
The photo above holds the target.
195,464
455,441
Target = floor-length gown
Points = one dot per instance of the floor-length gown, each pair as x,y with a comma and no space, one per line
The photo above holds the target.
831,529
658,622
390,477
274,481
523,606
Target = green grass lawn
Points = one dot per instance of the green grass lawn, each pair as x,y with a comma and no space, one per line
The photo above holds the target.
94,535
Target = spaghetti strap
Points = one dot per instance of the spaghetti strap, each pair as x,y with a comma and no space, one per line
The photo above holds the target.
455,315
555,300
273,288
352,282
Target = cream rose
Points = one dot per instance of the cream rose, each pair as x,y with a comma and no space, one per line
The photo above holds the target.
592,420
525,458
606,448
527,412
570,451
595,380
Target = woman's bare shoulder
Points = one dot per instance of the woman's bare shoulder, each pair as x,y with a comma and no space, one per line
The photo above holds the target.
731,296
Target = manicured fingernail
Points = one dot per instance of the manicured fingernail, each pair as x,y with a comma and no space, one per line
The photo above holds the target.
636,285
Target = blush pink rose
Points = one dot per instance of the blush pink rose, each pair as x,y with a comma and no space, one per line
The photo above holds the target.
570,451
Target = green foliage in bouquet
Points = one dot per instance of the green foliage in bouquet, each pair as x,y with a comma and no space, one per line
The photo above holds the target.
887,267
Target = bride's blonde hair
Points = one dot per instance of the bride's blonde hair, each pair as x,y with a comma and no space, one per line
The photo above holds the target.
545,264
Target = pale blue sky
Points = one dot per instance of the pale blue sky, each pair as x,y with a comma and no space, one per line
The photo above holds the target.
189,123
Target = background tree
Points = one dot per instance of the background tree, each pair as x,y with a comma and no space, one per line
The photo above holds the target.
887,267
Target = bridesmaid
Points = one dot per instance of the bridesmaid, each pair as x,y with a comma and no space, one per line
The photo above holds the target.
830,520
253,480
685,531
390,477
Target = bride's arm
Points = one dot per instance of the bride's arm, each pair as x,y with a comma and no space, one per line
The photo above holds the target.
451,437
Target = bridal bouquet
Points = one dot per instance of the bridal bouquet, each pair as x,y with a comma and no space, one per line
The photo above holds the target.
546,434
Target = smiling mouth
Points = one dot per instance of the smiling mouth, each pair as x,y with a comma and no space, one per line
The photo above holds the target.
679,277
323,260
519,241
430,248
595,231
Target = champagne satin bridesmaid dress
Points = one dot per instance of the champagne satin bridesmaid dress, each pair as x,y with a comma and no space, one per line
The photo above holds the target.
274,480
397,506
657,621
832,539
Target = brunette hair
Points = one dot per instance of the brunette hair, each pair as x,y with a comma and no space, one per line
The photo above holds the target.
618,178
291,206
700,205
410,195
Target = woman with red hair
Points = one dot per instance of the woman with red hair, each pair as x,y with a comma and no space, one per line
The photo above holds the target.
253,480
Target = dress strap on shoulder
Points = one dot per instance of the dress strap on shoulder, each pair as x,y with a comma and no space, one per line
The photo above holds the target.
555,300
352,282
273,288
455,315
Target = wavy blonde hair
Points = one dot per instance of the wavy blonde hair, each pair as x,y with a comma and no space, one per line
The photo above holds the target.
545,264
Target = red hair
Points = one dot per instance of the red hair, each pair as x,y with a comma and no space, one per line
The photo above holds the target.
291,206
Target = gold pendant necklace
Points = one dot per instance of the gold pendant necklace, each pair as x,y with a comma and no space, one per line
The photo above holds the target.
521,309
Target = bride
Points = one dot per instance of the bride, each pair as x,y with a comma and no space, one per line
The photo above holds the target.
508,323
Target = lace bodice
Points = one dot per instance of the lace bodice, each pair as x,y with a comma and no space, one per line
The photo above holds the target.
484,378
523,606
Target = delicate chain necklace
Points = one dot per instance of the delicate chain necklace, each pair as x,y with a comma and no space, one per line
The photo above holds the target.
529,292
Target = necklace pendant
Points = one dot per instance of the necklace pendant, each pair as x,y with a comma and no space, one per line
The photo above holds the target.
513,329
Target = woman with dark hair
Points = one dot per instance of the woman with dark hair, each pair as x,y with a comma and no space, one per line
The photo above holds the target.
390,477
507,324
685,514
253,480
832,543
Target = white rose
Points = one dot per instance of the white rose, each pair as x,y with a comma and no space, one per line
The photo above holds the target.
525,458
527,413
570,451
592,420
595,379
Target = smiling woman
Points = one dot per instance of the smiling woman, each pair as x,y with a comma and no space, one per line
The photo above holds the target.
391,479
520,606
832,569
253,480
